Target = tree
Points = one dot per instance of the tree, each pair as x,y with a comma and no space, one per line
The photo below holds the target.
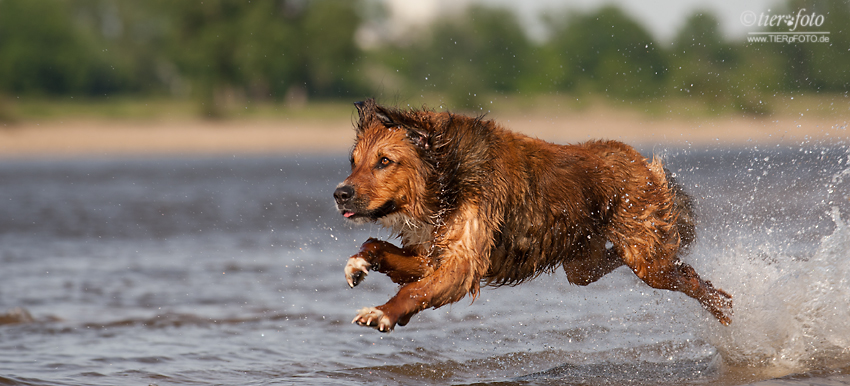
467,56
233,50
608,52
821,66
44,52
702,62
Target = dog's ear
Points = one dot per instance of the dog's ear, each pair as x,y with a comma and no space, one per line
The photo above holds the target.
383,115
419,138
365,109
368,110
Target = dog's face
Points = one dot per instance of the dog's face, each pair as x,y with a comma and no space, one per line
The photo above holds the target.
385,169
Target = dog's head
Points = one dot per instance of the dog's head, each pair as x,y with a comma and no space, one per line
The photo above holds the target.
387,165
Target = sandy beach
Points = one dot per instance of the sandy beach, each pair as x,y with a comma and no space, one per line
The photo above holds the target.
186,136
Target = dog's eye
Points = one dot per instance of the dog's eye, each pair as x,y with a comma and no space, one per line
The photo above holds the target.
383,162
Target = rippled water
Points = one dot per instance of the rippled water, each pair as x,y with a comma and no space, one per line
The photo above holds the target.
229,271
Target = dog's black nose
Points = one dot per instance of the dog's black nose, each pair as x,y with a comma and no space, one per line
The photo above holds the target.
343,194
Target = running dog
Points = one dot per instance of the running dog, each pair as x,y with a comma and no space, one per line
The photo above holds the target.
476,204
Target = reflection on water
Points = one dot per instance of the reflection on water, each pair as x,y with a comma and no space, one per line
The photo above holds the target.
229,271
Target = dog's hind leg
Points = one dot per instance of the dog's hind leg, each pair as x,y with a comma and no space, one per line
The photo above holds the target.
656,263
651,227
682,277
402,266
592,263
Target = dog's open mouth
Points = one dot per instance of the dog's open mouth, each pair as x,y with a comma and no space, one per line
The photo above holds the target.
387,208
351,213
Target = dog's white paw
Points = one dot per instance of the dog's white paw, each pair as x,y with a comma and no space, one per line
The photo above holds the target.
356,270
375,318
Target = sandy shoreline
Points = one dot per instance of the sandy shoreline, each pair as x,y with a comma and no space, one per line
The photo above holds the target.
80,137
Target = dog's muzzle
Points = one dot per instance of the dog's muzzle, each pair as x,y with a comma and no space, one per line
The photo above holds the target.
343,194
344,197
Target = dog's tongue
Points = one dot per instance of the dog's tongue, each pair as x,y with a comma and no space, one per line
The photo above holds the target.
348,214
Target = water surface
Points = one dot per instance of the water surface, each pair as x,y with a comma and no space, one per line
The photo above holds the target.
228,270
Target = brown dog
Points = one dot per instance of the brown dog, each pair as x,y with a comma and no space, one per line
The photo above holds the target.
475,203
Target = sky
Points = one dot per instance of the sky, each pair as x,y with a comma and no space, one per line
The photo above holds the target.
663,18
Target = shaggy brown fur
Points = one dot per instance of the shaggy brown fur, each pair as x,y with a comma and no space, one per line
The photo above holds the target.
474,203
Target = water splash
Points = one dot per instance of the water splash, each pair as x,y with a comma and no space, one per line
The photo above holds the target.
791,314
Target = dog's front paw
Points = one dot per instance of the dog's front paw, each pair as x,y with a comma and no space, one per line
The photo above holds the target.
375,318
356,270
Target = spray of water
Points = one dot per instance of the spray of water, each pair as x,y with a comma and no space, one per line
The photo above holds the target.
792,312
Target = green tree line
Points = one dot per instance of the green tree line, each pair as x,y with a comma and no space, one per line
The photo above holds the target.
217,51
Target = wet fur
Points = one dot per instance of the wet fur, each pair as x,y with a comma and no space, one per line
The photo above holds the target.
474,203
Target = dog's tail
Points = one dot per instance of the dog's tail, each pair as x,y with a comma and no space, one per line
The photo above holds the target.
683,206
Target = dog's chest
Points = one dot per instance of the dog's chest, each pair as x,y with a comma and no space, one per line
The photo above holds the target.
412,232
